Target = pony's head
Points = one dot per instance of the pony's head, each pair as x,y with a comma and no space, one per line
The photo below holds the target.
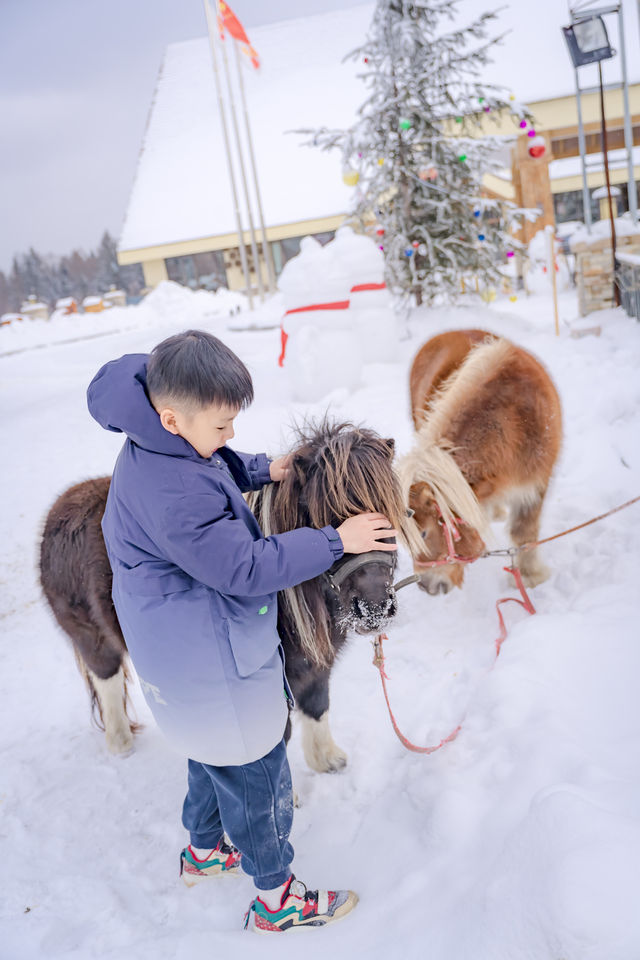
337,470
446,519
440,537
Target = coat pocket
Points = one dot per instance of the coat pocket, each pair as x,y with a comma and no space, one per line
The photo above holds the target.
254,638
141,582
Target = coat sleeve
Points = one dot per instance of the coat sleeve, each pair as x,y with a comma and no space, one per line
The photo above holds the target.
257,466
202,537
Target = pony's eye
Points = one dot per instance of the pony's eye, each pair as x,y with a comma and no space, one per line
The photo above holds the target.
423,534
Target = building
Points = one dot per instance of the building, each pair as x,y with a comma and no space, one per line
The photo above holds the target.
180,222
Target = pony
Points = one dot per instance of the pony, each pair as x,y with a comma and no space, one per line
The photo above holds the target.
337,470
488,430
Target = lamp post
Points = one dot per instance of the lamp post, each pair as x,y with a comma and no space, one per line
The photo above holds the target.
588,42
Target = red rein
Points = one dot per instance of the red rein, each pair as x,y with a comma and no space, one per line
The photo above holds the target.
378,656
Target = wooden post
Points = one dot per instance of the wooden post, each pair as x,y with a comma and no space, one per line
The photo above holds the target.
551,267
605,153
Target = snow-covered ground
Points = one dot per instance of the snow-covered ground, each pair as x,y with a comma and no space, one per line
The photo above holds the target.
518,841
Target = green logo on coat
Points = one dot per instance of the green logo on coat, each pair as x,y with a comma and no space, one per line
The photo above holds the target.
263,609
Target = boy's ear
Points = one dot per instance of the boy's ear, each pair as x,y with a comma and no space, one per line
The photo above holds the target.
168,420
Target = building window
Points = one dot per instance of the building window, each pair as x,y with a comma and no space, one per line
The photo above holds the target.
568,206
200,271
569,146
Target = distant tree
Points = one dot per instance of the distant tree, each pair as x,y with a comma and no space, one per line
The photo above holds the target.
5,293
76,275
108,269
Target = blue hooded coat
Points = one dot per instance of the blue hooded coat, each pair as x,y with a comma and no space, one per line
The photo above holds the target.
195,580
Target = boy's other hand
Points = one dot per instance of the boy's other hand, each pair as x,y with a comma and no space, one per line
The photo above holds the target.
364,532
278,469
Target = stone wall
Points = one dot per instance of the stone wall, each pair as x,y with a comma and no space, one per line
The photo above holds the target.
594,271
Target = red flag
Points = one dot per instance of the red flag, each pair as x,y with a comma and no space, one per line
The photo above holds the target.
227,20
251,53
231,23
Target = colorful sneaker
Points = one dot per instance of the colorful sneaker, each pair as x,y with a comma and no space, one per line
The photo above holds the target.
225,858
300,907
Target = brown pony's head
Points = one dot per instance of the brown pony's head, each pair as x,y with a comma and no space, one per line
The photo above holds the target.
446,514
439,534
337,470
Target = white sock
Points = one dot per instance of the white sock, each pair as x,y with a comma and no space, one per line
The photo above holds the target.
200,854
273,898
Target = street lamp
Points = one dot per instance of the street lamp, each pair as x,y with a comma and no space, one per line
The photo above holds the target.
588,42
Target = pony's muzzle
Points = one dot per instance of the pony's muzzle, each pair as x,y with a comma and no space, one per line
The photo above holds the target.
433,584
373,617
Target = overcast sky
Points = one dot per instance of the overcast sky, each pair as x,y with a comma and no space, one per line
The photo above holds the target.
76,83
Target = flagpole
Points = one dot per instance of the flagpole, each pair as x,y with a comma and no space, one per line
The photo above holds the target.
225,134
243,175
266,246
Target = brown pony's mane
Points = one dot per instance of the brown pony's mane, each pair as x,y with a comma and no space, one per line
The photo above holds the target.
431,461
337,470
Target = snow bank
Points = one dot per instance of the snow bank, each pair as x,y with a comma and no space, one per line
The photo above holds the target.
601,230
167,303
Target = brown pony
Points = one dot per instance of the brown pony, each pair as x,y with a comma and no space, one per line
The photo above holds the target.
488,431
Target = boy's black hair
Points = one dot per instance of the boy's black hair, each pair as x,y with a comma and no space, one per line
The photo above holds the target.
195,369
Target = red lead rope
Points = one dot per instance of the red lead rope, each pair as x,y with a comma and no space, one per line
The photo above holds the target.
378,661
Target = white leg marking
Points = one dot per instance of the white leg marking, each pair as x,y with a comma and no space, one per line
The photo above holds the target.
110,693
320,751
533,570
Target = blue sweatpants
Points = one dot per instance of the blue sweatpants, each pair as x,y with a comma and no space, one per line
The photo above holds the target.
253,805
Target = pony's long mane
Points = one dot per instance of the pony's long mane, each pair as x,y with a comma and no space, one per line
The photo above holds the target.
338,470
431,461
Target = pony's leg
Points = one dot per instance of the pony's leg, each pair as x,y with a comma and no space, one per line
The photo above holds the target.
320,750
111,694
100,654
523,528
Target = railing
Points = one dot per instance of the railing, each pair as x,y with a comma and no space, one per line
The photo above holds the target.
628,280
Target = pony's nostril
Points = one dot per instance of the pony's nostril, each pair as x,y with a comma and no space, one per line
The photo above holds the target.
358,608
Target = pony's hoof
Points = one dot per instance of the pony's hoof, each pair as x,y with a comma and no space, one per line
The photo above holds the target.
333,762
329,761
531,578
120,744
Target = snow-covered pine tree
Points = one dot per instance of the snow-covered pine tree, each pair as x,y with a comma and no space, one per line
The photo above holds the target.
413,153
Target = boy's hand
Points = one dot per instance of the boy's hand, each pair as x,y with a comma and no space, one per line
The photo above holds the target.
364,532
278,469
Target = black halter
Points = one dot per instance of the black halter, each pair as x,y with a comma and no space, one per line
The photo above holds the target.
346,567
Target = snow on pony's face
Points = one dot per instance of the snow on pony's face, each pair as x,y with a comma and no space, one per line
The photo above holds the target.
206,428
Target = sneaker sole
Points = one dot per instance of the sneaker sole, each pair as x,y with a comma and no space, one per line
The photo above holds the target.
347,907
193,879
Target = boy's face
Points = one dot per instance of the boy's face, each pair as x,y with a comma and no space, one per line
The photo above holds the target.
206,429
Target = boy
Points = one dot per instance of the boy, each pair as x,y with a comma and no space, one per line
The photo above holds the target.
195,585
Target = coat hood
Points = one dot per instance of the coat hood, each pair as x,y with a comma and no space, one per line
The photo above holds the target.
117,398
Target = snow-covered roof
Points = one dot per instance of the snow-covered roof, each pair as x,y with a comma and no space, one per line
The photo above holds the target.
572,166
181,190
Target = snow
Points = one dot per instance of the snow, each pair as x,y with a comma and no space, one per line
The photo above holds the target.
599,230
572,166
632,258
326,348
518,841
